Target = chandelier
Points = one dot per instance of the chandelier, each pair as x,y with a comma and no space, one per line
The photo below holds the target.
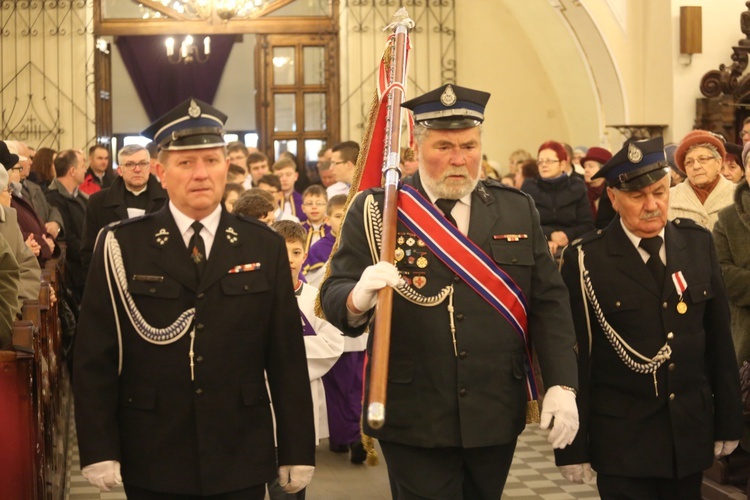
223,9
189,51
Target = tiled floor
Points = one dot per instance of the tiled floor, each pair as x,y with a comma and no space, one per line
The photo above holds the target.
532,476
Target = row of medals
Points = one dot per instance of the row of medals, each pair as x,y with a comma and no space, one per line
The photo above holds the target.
413,257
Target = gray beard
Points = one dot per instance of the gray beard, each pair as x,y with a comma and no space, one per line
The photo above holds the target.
449,193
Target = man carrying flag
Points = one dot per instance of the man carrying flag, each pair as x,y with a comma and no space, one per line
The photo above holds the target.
474,288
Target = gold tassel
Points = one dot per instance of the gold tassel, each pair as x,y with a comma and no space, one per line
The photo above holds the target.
532,412
369,444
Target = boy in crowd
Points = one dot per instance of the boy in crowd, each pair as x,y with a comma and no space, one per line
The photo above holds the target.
256,203
314,201
232,193
286,170
236,174
272,184
319,252
343,383
324,344
257,167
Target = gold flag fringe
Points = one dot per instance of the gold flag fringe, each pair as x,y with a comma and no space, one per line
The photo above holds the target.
358,171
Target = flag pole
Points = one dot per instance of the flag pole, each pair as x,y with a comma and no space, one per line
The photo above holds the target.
381,341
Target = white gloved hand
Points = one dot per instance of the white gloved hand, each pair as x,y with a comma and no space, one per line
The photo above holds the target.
577,473
365,293
103,475
294,478
724,448
561,404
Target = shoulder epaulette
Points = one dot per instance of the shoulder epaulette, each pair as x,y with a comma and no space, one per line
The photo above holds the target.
121,223
588,237
494,184
685,223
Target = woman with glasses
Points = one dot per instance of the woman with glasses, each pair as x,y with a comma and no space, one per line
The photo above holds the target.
700,155
562,201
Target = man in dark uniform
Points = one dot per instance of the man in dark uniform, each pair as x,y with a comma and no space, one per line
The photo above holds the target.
458,369
659,383
133,193
185,310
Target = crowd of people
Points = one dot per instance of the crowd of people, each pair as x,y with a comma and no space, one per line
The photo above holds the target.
177,285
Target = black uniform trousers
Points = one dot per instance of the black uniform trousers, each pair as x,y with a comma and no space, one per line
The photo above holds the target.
254,493
417,473
649,488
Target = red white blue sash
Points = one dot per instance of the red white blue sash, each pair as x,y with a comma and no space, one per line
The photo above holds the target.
468,261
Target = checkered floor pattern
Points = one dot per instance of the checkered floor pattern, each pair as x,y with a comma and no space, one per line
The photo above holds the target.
532,476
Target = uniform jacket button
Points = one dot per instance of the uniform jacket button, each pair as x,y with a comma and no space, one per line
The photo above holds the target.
664,305
460,317
199,359
670,335
462,392
199,326
200,295
671,397
199,391
462,355
671,367
456,278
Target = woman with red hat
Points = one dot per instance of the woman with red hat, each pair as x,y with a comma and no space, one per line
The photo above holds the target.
700,155
601,207
561,200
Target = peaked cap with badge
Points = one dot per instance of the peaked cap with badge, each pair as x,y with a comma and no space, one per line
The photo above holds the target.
637,165
193,124
449,107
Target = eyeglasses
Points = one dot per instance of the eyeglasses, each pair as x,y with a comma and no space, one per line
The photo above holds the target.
314,204
701,160
16,168
131,165
546,162
338,162
743,133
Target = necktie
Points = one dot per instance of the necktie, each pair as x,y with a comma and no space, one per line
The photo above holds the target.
446,206
197,249
654,263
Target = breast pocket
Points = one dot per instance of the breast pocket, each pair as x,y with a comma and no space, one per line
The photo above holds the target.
245,283
616,303
165,289
516,258
700,292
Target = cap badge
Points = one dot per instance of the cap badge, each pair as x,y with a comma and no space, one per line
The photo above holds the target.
635,155
448,97
194,111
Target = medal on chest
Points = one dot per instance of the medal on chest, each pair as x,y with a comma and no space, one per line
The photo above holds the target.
680,285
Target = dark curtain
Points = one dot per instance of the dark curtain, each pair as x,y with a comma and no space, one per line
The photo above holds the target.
162,85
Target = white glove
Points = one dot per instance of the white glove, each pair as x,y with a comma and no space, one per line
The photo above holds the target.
103,475
577,473
365,292
561,404
294,478
724,448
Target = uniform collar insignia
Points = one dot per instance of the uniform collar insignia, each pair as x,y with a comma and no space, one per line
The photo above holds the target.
232,235
483,194
162,237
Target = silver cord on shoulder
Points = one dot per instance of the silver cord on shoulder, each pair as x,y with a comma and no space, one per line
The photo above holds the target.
114,266
623,350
